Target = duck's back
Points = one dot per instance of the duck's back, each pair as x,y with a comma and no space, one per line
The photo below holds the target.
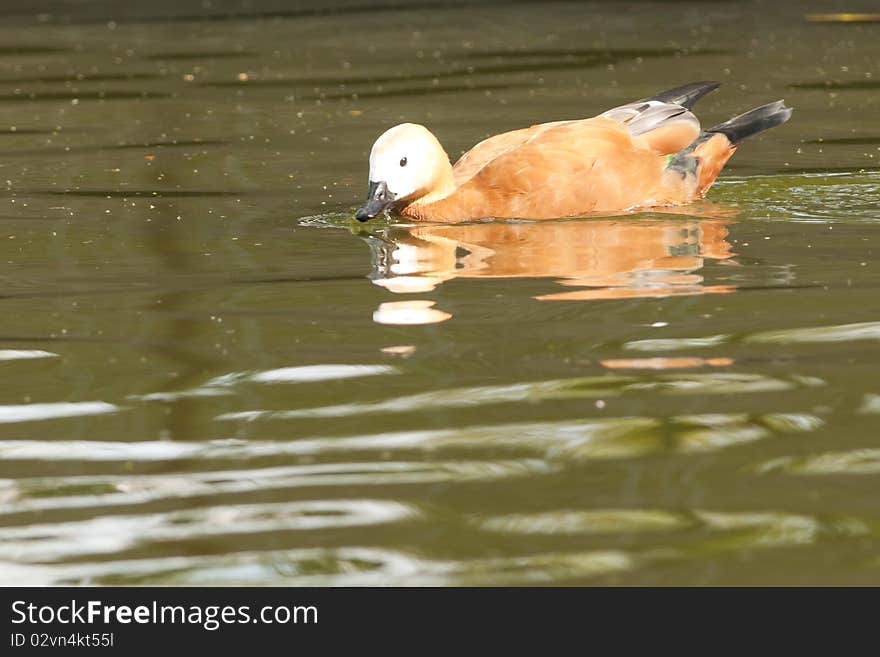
492,147
556,169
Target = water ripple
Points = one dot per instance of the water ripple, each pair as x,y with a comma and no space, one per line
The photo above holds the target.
106,491
112,534
706,530
701,533
53,410
854,462
345,566
616,437
303,374
675,344
836,333
25,354
870,404
598,521
554,389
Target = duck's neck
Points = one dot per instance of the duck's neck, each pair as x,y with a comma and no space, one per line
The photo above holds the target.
444,185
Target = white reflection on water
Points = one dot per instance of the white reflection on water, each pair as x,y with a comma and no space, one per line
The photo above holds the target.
104,491
565,440
222,385
699,533
351,566
409,313
726,383
303,374
815,334
182,394
870,404
335,566
453,398
115,533
595,521
675,344
25,354
589,387
713,530
855,462
52,410
837,333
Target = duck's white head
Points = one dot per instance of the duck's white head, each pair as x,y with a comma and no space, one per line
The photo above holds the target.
406,163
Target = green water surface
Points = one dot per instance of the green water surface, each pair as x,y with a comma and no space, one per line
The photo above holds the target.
212,375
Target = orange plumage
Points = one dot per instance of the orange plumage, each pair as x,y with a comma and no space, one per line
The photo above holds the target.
648,153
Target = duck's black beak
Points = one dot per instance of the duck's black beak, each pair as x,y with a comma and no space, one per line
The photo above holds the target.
378,200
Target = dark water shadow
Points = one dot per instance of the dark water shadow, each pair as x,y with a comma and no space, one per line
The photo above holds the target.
135,193
207,54
420,91
346,81
868,141
384,79
87,288
65,150
17,217
559,61
601,53
9,132
177,143
99,14
84,77
834,85
7,51
84,95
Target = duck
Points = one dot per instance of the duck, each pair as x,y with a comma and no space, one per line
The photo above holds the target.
649,153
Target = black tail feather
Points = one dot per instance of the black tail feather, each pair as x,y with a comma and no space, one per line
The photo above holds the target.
753,121
686,95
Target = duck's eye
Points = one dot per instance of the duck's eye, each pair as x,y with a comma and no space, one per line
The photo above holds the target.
403,161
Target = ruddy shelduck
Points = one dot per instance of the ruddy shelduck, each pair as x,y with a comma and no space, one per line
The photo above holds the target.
645,154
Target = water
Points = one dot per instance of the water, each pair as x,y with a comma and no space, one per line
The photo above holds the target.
214,376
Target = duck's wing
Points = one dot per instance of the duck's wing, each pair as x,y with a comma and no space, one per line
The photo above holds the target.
663,127
569,169
493,147
664,122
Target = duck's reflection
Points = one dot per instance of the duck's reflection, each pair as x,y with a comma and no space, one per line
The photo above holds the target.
409,312
603,259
